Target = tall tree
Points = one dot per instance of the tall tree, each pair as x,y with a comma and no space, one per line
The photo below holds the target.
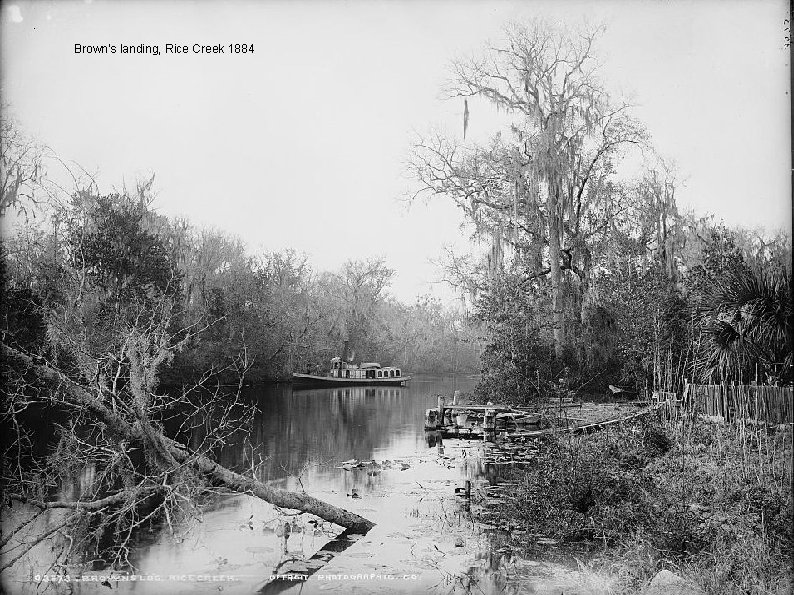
536,191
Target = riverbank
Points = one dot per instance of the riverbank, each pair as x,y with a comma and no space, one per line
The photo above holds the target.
710,502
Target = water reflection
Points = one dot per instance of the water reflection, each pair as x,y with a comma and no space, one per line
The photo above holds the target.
300,440
297,430
363,391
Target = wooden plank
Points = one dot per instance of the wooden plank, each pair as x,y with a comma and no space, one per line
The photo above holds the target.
498,408
562,406
588,428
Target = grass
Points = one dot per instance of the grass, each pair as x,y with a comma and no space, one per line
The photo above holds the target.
709,501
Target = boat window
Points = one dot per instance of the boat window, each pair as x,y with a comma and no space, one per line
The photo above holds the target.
380,374
347,373
397,373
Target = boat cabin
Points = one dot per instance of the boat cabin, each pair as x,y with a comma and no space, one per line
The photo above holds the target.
372,370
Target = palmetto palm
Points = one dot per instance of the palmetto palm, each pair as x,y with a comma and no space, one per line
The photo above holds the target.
747,322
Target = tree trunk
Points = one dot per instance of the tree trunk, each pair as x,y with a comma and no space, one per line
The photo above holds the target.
75,395
556,272
281,498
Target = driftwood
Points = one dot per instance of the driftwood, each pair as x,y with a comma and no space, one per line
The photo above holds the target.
74,395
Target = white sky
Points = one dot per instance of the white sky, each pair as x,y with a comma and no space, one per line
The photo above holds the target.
302,144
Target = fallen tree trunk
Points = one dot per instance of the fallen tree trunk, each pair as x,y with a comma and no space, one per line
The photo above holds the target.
281,498
75,395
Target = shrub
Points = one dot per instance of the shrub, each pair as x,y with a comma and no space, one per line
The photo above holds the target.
713,502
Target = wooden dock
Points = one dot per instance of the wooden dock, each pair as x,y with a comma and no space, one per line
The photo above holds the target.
478,422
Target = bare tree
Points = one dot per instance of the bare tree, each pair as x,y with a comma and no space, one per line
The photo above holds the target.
21,166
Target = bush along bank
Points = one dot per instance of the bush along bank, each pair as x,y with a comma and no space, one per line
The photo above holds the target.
709,501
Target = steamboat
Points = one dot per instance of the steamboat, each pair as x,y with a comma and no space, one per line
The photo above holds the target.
345,373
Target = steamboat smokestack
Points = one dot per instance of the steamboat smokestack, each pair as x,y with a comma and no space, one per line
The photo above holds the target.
344,353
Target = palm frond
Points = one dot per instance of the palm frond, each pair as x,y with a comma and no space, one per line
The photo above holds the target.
746,318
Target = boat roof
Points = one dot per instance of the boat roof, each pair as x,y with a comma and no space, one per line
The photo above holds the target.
365,365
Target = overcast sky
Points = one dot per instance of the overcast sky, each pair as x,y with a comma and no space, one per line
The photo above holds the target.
302,144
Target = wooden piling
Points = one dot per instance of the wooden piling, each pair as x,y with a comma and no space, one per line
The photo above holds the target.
489,421
440,420
431,419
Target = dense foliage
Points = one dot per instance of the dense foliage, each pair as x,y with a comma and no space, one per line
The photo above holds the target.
272,307
592,276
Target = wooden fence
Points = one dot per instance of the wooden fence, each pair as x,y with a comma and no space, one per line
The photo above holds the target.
767,404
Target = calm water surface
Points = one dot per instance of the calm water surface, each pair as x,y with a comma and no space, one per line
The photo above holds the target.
300,437
425,539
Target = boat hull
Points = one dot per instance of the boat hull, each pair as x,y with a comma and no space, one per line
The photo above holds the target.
311,381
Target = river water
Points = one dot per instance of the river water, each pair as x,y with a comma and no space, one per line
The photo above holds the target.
425,539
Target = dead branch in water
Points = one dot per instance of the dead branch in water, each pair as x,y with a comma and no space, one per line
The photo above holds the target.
171,470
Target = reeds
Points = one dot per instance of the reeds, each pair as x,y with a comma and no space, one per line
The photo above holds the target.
706,499
740,474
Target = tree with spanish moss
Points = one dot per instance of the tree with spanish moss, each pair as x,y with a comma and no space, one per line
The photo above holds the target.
543,190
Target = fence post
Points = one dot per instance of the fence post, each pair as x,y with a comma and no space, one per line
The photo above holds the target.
720,401
686,398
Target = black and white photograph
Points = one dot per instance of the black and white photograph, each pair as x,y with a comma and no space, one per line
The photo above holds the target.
388,296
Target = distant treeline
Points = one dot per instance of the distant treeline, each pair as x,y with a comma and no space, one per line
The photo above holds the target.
271,313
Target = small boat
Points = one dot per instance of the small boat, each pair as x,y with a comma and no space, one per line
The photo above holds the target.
345,373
